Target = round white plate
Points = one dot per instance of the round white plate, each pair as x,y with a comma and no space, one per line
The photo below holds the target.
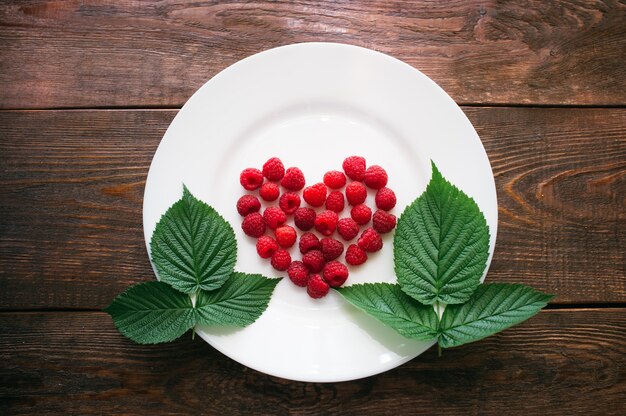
311,105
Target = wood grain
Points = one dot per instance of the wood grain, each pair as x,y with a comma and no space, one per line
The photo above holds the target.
560,362
71,189
561,185
100,54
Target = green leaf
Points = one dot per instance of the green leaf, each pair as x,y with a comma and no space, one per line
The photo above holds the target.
239,302
441,244
492,308
193,247
387,303
152,312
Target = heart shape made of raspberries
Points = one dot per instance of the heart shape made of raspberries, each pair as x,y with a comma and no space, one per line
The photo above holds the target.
326,216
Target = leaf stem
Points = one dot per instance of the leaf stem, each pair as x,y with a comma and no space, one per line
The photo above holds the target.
194,299
437,312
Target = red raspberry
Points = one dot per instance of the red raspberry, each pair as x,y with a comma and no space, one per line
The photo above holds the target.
375,177
335,273
316,287
304,218
266,246
355,255
361,214
251,179
335,201
248,204
289,202
293,179
308,242
314,260
269,191
347,228
335,179
253,225
331,248
274,217
298,273
326,222
370,241
354,166
356,193
385,199
383,221
315,195
281,260
273,169
286,236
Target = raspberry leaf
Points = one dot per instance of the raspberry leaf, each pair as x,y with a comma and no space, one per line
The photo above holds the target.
492,308
441,244
193,247
152,312
239,302
390,305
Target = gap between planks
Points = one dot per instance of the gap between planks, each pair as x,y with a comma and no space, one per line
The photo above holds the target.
575,307
177,107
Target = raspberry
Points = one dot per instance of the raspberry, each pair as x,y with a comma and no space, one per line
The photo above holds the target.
375,177
355,255
335,179
308,242
304,218
335,273
274,217
266,246
315,195
356,193
298,273
273,169
253,225
331,248
383,221
251,179
370,241
293,179
289,202
316,287
335,201
248,204
354,166
285,236
326,222
385,199
361,214
269,191
281,260
314,261
347,228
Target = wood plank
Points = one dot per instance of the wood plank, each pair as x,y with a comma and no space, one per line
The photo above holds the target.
71,189
560,362
93,53
561,184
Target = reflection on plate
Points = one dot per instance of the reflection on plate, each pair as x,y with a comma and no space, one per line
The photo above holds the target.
312,105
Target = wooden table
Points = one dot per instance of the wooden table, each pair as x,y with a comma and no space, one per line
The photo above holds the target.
87,89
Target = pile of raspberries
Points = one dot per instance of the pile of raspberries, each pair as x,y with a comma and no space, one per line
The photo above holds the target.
319,219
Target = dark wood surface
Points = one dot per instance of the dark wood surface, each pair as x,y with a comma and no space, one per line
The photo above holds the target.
94,53
87,89
77,363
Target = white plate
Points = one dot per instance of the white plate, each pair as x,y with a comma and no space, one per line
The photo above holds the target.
313,104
